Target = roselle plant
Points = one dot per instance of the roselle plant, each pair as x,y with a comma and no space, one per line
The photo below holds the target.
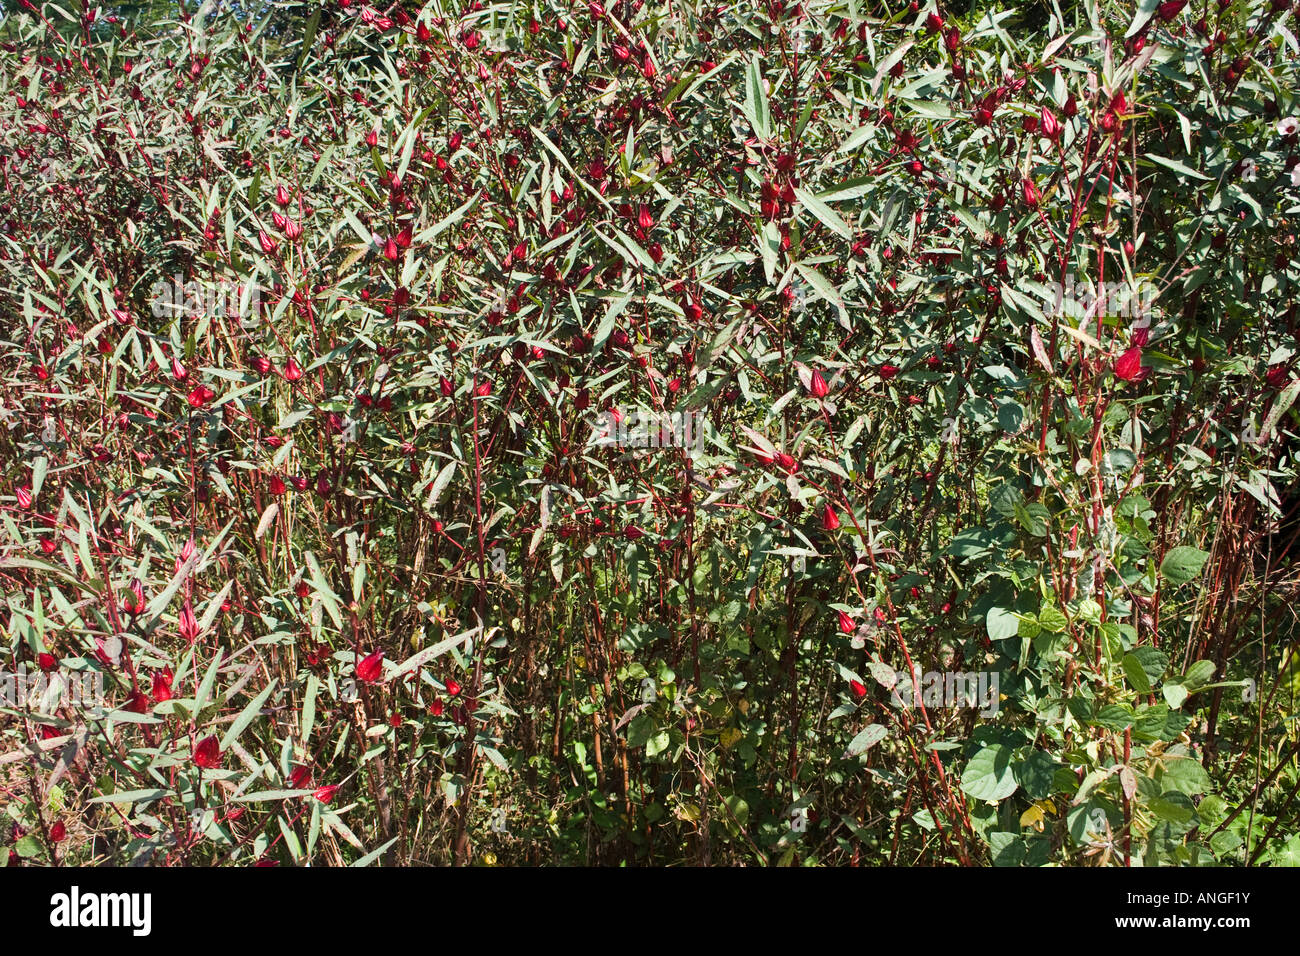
320,324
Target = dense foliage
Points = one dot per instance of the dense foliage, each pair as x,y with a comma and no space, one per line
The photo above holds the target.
325,332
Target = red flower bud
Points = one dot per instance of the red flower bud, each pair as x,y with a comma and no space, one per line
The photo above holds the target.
371,668
326,793
187,624
162,685
1050,124
201,396
830,520
1170,9
207,753
1129,366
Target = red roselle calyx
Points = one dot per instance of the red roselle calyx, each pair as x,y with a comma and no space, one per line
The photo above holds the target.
371,668
1049,124
200,396
187,625
207,753
830,520
1169,10
1129,366
162,685
326,793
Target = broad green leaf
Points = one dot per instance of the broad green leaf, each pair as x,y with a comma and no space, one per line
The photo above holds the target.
988,775
1182,564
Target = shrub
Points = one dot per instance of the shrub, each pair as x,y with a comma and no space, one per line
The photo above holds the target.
651,433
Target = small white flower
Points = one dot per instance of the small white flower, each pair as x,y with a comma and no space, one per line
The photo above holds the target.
1295,175
1248,170
1287,126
